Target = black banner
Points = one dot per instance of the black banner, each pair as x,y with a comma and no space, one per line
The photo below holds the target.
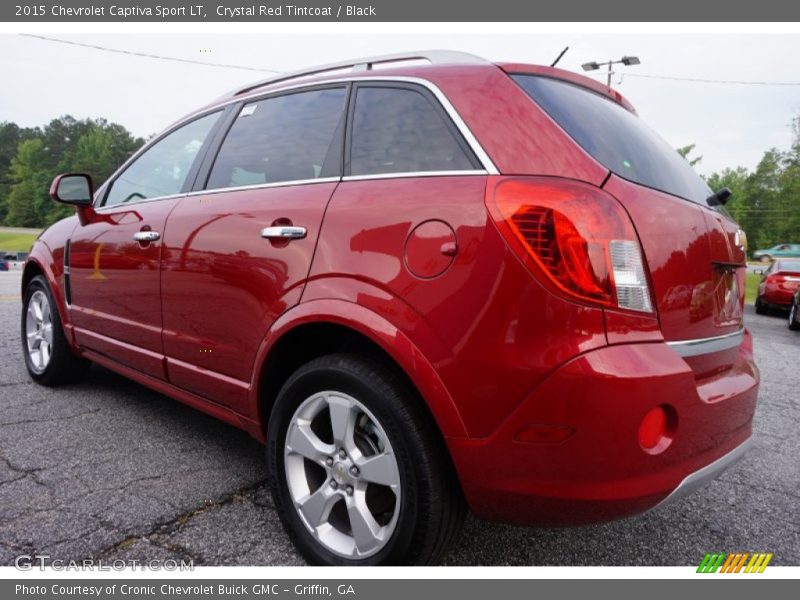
394,10
391,589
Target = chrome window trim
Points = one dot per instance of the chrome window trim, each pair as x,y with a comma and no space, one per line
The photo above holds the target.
488,166
111,207
707,345
405,174
260,186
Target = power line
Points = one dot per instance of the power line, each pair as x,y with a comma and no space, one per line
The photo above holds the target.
145,55
701,80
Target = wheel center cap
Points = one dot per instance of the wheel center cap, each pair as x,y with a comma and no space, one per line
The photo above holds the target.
339,472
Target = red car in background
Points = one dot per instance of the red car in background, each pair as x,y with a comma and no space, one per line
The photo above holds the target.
426,288
778,285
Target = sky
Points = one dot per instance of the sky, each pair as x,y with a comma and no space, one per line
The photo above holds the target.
731,124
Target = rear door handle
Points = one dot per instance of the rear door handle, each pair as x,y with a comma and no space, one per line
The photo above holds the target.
283,232
146,236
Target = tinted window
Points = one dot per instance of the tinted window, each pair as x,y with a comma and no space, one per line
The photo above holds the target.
615,137
400,131
788,265
284,138
161,170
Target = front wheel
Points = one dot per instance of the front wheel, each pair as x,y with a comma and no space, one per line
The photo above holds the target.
794,317
48,357
358,473
766,259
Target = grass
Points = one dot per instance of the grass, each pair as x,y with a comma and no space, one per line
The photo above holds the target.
751,287
13,241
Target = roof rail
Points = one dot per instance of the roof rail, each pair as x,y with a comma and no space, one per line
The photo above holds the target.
436,57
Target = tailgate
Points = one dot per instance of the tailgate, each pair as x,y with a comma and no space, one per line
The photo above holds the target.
696,268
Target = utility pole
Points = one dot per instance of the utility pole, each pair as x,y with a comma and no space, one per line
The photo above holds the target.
625,60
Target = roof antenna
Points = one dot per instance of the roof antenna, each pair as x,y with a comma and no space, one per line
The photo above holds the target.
563,52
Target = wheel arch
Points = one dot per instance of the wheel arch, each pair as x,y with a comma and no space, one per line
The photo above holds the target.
319,327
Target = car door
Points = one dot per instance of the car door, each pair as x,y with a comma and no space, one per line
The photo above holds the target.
238,250
115,301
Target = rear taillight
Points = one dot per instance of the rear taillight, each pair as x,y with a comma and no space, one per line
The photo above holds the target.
574,237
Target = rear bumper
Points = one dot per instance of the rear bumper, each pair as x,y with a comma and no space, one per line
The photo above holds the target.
778,296
600,472
705,475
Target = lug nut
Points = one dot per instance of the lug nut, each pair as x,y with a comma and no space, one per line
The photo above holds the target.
329,461
342,454
349,490
334,485
354,471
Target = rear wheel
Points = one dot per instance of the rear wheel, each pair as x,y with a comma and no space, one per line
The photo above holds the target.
794,316
358,472
48,357
761,308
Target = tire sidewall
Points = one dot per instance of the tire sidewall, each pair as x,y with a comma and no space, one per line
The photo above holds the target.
38,283
305,383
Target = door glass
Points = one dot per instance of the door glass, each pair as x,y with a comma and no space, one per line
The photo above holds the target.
162,169
284,138
400,131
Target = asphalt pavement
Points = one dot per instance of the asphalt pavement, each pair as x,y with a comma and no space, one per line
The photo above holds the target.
109,469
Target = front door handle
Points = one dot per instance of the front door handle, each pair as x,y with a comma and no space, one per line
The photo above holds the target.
146,236
283,232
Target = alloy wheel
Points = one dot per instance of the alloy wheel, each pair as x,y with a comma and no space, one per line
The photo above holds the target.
342,474
39,331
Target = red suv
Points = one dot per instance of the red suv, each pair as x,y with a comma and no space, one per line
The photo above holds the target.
427,288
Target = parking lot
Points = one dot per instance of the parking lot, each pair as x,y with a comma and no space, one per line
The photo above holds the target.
109,469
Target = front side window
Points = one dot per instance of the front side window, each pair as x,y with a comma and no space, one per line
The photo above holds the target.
162,169
284,138
399,130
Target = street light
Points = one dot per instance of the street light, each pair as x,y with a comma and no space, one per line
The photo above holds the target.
625,60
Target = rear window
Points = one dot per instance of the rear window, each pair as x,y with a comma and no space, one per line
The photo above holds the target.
615,137
788,265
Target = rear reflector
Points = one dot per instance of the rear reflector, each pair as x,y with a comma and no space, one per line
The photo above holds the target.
574,237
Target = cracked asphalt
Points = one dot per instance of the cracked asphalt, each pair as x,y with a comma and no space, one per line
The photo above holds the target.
109,469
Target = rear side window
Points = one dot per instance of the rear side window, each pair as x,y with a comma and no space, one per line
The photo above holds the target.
398,130
615,137
283,138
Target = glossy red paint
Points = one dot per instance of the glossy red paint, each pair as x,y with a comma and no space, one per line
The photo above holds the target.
682,251
779,287
600,472
116,285
419,266
484,318
216,263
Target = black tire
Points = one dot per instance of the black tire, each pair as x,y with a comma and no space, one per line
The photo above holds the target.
794,317
432,508
761,308
63,365
766,259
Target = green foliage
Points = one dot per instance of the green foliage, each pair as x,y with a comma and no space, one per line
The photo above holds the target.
766,201
751,287
14,241
685,151
30,158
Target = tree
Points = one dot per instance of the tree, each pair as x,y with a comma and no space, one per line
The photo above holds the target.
10,136
684,151
65,144
28,201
